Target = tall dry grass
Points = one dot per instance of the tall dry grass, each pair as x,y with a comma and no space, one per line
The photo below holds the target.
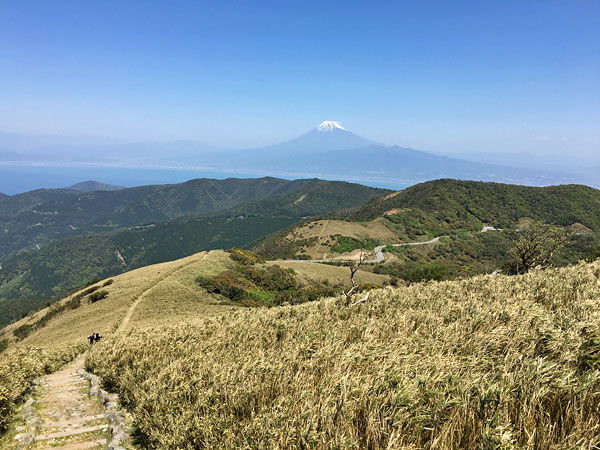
488,362
18,368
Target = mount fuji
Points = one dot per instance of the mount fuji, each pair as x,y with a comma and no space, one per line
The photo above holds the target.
329,135
327,151
331,151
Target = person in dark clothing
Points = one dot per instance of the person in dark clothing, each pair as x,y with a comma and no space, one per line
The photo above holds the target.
97,337
92,338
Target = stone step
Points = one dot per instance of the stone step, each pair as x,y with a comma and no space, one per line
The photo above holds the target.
67,389
66,383
60,434
81,445
73,421
61,376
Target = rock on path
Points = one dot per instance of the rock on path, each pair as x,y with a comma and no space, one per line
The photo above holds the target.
61,415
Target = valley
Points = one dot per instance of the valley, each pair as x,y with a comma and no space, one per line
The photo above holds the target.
145,225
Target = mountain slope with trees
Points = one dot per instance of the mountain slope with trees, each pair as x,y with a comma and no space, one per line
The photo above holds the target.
497,204
451,214
34,218
30,279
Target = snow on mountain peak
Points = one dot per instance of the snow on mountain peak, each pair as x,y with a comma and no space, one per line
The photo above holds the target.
329,125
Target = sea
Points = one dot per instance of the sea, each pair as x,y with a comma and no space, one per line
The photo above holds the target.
15,179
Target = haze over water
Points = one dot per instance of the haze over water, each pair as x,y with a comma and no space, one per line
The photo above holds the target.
17,179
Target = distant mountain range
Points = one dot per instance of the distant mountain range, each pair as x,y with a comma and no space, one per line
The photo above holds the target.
327,151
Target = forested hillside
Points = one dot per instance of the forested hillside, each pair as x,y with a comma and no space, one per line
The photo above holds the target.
469,203
470,226
32,278
34,218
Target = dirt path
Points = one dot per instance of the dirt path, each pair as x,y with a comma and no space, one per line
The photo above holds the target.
323,229
61,415
138,300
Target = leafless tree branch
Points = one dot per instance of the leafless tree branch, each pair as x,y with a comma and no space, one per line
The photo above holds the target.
353,269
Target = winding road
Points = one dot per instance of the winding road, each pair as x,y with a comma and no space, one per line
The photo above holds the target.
378,251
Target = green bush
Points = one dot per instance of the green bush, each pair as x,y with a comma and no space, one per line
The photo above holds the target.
245,257
23,331
98,295
347,244
253,284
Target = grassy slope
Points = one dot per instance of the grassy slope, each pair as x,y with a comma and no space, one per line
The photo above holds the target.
148,283
487,362
314,272
168,292
314,239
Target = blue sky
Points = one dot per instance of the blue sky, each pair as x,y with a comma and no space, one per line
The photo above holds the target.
435,75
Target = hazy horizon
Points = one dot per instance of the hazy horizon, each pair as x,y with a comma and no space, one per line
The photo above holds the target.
505,77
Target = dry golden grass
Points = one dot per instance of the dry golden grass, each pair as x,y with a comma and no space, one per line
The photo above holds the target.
162,293
179,296
333,275
154,284
488,362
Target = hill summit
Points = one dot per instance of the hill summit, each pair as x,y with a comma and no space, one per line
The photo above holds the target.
92,186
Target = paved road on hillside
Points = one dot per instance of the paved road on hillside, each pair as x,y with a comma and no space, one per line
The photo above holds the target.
378,251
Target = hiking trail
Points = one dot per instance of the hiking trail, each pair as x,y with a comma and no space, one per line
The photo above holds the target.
61,415
138,300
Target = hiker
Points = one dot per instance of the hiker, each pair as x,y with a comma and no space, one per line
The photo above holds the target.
97,337
91,337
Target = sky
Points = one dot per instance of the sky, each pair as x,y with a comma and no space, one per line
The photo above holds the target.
485,76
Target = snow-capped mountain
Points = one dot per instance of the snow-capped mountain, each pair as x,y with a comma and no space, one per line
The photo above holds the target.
328,150
329,125
329,135
331,151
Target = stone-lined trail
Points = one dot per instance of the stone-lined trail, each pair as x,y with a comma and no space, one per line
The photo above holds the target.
62,416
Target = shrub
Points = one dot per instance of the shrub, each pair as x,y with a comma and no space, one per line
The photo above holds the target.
245,257
23,331
347,244
98,295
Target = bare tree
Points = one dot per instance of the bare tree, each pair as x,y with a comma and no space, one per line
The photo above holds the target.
353,269
535,245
